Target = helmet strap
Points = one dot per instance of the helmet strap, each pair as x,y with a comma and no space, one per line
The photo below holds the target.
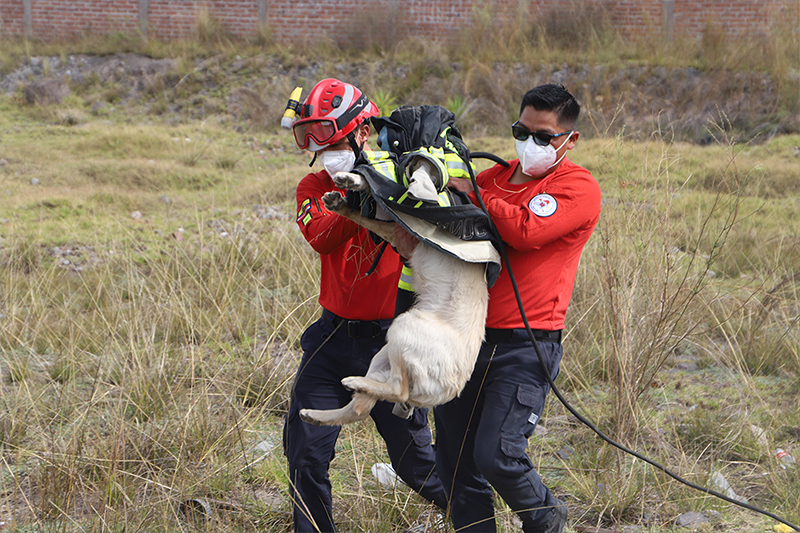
313,159
353,144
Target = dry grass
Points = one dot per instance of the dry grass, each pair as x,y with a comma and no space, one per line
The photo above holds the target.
153,286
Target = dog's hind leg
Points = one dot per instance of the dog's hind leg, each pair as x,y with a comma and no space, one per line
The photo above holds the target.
394,388
358,409
361,404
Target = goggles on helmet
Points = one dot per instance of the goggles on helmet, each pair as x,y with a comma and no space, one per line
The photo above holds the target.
321,131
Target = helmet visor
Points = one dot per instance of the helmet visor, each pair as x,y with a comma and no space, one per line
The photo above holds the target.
319,130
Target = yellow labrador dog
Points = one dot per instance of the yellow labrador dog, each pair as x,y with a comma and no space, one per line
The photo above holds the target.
430,349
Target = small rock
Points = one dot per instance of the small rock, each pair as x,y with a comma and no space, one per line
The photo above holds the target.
565,453
268,213
35,181
3,162
691,519
165,199
683,365
136,215
760,435
177,235
264,447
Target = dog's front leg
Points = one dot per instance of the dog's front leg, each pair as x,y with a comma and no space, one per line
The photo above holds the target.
335,202
350,181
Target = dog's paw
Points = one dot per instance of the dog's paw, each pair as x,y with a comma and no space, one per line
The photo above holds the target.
353,383
307,415
350,181
421,185
334,201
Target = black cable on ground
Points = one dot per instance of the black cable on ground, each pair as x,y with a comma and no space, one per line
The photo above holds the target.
564,401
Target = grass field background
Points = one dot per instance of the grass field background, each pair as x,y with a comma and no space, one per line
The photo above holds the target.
154,286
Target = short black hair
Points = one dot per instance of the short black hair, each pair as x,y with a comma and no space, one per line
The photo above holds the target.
555,98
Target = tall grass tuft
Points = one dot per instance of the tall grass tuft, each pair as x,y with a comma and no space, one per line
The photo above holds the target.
653,268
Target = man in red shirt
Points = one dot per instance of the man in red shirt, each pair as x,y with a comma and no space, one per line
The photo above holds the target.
357,309
545,208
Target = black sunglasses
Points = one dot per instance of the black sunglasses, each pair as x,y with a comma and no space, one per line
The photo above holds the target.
521,133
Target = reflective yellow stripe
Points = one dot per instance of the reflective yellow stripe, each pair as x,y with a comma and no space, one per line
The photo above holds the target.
456,166
406,279
447,162
381,162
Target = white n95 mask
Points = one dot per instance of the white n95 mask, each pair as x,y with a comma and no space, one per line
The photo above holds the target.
338,160
535,159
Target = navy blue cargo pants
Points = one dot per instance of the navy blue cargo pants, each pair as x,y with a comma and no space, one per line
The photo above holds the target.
333,349
482,436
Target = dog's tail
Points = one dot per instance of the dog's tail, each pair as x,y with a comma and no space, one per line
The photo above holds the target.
358,409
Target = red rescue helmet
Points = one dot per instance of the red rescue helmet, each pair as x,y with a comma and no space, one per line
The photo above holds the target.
332,110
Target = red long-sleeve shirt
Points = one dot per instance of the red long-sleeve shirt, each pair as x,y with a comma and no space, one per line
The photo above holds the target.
346,253
545,224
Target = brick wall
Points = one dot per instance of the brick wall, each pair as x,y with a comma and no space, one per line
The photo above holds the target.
11,18
56,18
684,18
299,20
174,18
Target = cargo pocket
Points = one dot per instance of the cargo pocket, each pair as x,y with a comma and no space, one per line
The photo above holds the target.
520,421
419,425
513,446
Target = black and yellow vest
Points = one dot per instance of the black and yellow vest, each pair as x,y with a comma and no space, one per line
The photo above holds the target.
426,133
